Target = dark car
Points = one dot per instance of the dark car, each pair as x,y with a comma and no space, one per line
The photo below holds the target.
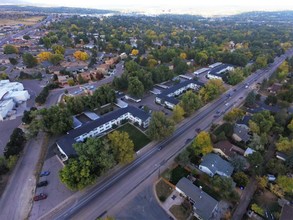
45,173
41,196
198,130
43,183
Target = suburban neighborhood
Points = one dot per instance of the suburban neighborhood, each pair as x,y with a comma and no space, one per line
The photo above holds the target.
109,114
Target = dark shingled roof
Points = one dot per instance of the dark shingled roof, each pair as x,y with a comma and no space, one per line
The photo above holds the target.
204,204
67,141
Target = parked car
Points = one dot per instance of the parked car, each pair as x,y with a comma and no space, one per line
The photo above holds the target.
41,196
43,183
45,173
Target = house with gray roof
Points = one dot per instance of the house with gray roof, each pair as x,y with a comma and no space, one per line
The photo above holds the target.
213,164
204,206
100,126
217,70
241,133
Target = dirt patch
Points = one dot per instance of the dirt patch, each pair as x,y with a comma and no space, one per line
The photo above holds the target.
24,21
181,212
163,190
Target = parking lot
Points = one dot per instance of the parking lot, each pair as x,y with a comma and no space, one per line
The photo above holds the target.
56,191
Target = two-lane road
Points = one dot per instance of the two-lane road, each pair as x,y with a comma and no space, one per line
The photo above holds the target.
112,191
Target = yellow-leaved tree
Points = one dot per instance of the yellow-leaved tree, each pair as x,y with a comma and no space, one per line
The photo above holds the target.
202,144
134,52
80,55
43,56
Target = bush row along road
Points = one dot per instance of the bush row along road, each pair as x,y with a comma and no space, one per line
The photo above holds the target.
105,195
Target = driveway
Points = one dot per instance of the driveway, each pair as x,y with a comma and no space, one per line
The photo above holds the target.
143,206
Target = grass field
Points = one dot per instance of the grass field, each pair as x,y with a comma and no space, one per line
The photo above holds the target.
25,21
139,139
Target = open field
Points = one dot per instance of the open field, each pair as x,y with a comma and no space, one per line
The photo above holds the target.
25,21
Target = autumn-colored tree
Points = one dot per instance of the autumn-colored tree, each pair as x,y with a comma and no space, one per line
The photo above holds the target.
234,115
122,145
290,126
262,182
285,183
259,210
80,55
134,52
44,56
70,82
183,56
284,145
58,49
202,144
212,89
178,113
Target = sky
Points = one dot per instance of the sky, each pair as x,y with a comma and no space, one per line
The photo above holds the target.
189,6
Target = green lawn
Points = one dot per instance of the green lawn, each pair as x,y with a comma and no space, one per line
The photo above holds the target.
139,139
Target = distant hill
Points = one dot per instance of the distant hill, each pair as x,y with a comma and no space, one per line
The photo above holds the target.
69,10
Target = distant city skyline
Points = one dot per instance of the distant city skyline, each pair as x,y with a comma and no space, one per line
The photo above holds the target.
208,7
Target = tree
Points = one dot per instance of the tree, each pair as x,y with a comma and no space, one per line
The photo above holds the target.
256,143
135,87
29,60
284,144
47,42
10,49
58,49
76,175
238,162
290,126
160,126
56,58
13,61
15,144
70,82
134,52
250,99
201,58
234,115
3,76
43,56
240,179
80,55
256,160
235,76
190,102
285,183
257,209
212,89
262,182
271,100
122,146
183,56
183,157
261,61
264,120
276,167
178,113
27,117
202,144
26,37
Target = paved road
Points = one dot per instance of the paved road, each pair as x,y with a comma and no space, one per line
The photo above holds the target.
106,194
16,201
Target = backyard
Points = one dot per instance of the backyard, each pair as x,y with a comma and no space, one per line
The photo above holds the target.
139,138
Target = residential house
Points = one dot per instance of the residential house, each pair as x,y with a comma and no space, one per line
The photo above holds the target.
55,69
63,79
218,69
167,97
226,149
85,76
204,206
275,88
241,133
100,126
213,164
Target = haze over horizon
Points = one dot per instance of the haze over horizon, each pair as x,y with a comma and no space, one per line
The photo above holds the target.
208,7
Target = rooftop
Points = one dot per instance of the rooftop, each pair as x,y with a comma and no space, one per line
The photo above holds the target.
204,204
216,164
67,141
228,149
